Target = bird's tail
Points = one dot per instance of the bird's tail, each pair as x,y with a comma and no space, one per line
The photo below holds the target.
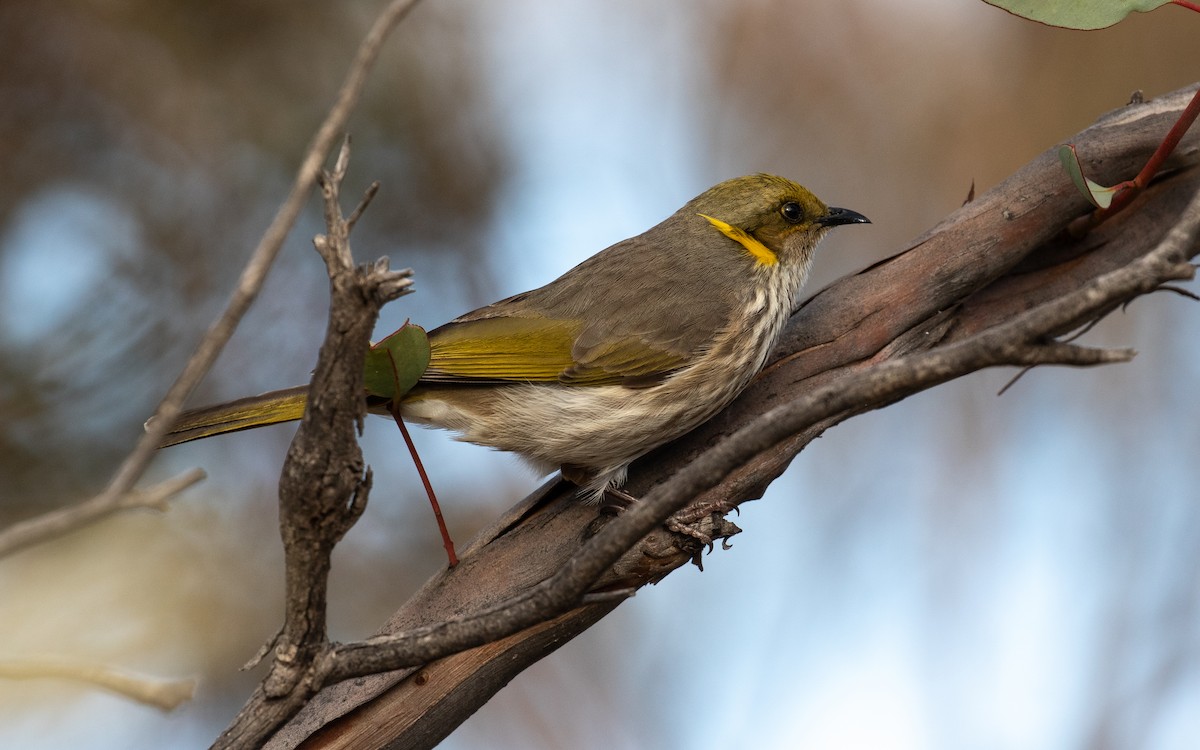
256,411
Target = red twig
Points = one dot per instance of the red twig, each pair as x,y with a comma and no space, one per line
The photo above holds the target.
1188,5
1186,118
447,542
1156,160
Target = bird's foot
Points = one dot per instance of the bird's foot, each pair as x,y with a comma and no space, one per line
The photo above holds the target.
702,533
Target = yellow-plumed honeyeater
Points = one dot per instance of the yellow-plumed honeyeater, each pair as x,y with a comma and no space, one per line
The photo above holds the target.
630,349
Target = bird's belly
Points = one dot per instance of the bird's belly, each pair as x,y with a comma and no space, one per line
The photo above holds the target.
596,427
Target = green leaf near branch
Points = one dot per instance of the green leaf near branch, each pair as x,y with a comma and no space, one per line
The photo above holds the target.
396,363
1077,14
1098,194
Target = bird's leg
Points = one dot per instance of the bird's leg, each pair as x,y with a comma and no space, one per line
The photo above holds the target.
447,542
611,500
615,501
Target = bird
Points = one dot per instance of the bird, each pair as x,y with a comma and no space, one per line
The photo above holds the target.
630,349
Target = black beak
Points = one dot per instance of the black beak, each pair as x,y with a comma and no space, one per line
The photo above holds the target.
835,217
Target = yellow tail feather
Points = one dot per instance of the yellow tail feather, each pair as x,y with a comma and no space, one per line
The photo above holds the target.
256,411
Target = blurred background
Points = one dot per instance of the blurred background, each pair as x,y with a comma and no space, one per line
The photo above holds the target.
958,570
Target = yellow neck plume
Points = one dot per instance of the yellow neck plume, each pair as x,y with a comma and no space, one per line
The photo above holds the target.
762,254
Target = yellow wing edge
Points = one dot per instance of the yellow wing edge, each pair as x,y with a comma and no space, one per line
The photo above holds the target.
286,405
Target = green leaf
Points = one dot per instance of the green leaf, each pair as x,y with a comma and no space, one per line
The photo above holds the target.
1077,14
1099,195
396,363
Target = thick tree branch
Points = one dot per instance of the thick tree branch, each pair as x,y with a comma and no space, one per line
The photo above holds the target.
995,284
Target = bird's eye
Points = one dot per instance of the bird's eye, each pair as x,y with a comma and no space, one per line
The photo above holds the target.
792,213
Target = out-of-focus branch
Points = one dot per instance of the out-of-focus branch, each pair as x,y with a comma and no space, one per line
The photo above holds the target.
164,694
65,520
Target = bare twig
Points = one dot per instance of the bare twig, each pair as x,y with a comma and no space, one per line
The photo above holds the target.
372,189
324,485
65,520
164,694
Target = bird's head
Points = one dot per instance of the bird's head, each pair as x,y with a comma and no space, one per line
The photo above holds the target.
774,219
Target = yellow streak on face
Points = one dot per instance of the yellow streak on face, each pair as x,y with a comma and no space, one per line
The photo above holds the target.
762,254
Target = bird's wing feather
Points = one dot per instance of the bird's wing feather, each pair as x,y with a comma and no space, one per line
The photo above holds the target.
500,348
630,360
541,350
519,349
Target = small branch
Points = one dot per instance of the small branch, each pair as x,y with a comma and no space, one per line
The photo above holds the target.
324,453
1186,294
324,485
368,196
155,497
164,694
63,521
